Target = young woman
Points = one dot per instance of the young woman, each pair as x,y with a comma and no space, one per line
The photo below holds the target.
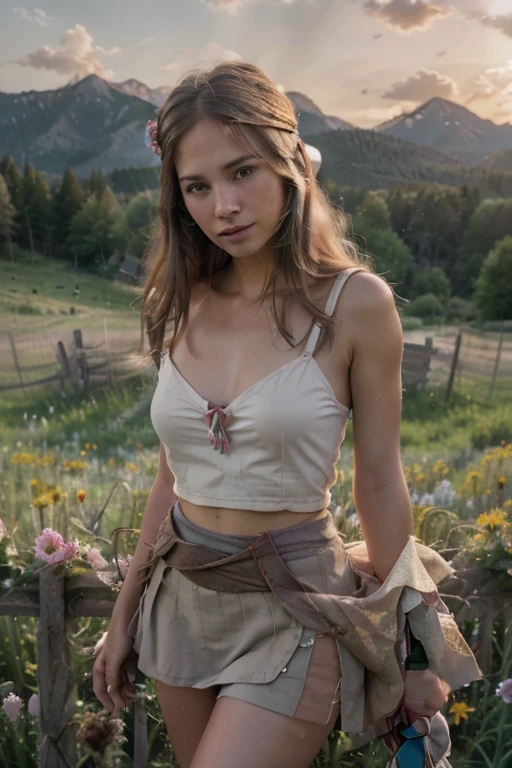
262,631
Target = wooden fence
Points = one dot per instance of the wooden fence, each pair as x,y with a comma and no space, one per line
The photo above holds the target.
66,362
72,360
56,598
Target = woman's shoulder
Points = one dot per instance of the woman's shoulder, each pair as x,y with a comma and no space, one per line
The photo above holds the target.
366,291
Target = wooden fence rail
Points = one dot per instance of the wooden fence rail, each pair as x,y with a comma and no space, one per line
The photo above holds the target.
82,365
56,598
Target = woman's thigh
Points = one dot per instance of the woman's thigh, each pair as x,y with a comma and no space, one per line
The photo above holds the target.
186,712
242,735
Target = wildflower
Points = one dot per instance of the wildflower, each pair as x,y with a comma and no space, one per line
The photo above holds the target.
11,706
33,705
42,501
502,481
51,548
35,483
94,447
124,562
96,559
56,494
87,446
80,495
444,493
98,730
496,518
131,466
460,711
504,690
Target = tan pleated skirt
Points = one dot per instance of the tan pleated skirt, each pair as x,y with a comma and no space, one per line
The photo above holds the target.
242,644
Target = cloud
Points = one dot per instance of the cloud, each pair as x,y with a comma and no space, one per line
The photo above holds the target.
231,6
495,81
39,16
423,85
406,15
369,118
76,55
204,57
502,23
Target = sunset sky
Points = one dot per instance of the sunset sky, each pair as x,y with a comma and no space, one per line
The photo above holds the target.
363,60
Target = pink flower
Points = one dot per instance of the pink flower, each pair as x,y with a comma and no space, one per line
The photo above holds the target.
33,705
124,563
11,706
51,548
504,690
96,559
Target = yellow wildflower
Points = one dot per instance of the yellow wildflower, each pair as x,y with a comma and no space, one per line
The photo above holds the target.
460,711
87,446
502,482
42,501
81,494
496,518
56,494
131,466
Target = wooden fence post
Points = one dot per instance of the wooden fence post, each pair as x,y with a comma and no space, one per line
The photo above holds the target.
15,358
453,368
80,361
57,690
496,364
63,361
140,734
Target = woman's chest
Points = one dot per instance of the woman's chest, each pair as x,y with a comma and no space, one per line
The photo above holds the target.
222,354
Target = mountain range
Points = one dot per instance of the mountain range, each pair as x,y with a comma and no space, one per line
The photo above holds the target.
91,123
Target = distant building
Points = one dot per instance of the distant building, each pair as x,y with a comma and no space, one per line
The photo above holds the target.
129,271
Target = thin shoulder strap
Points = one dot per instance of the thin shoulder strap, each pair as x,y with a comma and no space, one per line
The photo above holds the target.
329,307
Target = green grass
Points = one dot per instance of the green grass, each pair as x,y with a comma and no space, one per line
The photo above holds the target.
37,292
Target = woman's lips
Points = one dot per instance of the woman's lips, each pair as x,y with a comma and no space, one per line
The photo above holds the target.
238,235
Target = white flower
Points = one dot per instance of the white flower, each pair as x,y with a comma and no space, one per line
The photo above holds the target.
427,500
11,706
444,493
33,705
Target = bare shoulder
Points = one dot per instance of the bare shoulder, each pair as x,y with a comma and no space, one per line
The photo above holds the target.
367,310
366,291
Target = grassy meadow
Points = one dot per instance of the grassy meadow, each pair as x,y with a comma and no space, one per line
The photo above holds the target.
69,459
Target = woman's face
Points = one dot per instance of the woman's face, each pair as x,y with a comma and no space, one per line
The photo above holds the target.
248,192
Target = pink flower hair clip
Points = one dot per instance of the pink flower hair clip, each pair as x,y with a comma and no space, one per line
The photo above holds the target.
151,137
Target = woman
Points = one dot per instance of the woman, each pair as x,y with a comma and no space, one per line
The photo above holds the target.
251,605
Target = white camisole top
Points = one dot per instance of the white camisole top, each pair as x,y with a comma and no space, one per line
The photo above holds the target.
274,447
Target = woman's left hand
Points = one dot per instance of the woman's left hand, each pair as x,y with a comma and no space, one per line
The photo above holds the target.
425,693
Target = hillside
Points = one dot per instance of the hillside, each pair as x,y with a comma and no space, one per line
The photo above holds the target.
368,159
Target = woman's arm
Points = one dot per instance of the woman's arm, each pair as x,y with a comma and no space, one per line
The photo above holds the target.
160,499
380,490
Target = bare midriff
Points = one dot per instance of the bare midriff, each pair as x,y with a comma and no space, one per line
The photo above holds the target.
243,521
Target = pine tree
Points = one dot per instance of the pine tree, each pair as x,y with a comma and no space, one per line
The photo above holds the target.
7,213
67,202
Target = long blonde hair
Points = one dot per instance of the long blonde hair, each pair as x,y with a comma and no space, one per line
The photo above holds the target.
311,238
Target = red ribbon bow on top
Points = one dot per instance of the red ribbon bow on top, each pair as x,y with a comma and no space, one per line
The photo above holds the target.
216,418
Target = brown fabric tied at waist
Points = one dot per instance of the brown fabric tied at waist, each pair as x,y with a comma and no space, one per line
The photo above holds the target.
368,622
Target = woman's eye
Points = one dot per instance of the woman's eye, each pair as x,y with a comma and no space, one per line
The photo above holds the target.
247,168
